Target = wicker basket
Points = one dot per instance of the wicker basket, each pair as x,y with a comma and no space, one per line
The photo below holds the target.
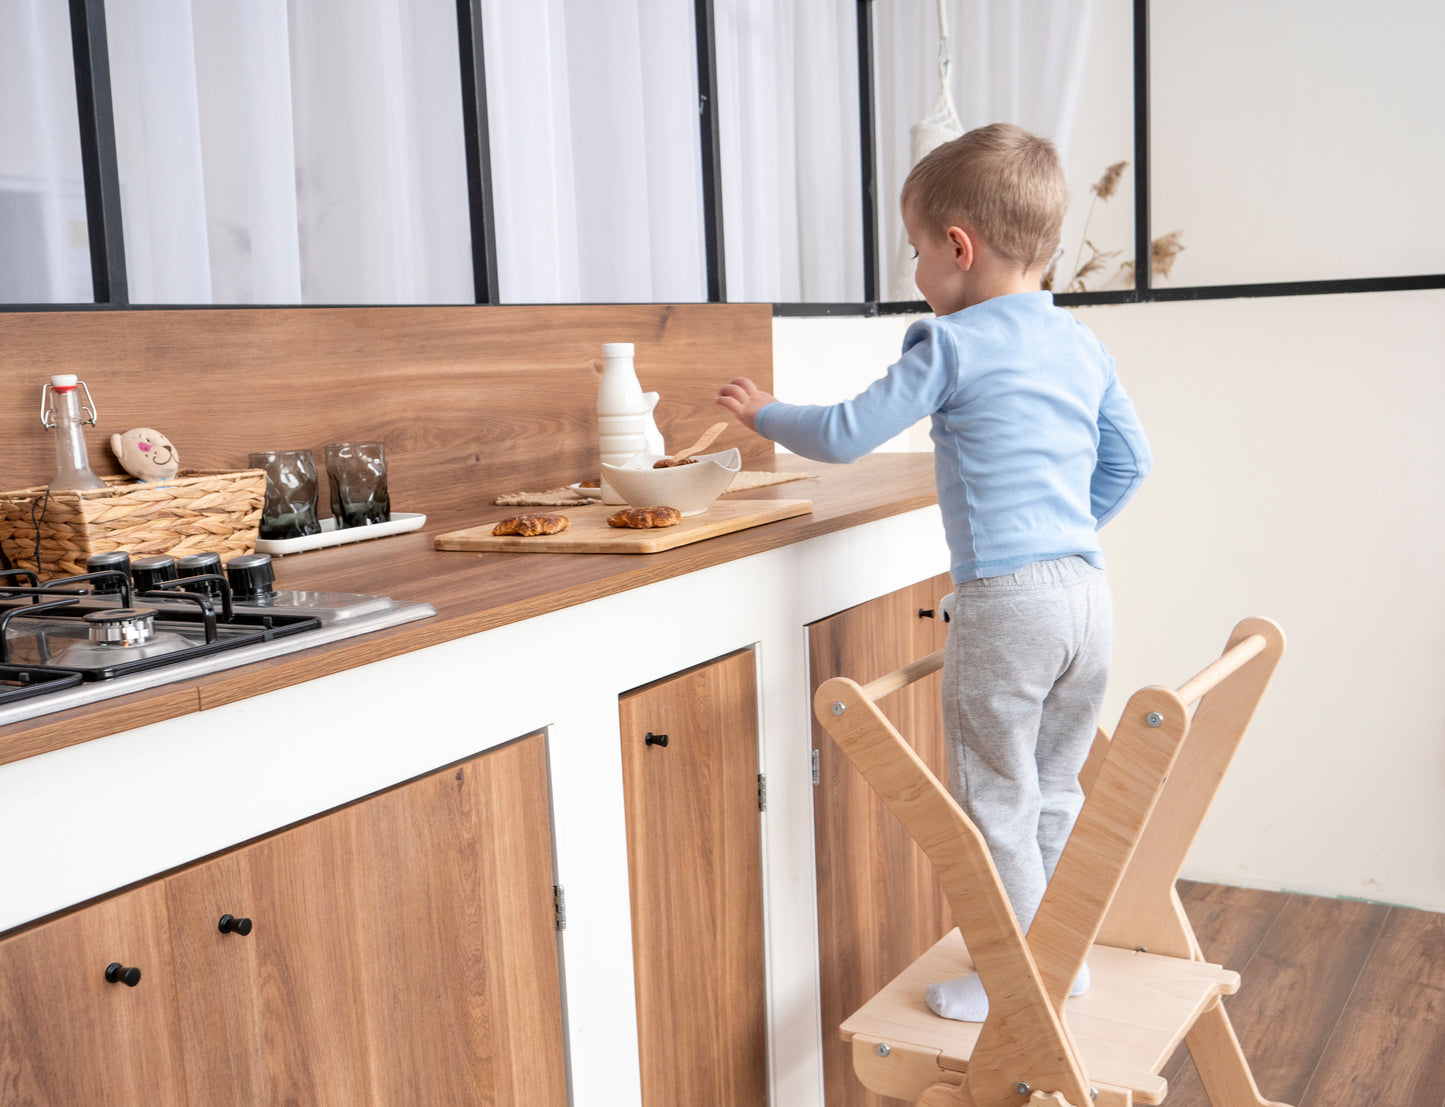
198,511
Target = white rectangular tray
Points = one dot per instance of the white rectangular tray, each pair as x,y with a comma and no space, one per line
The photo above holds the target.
399,523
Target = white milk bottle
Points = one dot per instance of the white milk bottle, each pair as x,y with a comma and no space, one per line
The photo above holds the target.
625,426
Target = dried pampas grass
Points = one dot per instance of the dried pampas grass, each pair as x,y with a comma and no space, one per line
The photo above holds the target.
1105,187
1094,266
1097,262
1102,189
1162,252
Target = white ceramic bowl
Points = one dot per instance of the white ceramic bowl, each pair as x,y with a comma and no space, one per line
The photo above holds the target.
689,488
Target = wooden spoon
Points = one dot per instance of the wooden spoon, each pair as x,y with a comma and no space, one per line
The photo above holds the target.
702,443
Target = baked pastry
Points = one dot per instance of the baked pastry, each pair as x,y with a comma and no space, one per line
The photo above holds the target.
531,523
671,462
641,518
593,483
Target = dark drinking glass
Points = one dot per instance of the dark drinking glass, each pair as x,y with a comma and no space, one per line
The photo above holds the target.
290,509
356,472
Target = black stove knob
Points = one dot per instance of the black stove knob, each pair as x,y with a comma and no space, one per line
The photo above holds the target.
251,577
117,560
200,564
151,572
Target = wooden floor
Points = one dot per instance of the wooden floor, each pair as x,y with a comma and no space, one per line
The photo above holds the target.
1343,1002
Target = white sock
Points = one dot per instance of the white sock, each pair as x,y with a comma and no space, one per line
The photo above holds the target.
962,999
965,1000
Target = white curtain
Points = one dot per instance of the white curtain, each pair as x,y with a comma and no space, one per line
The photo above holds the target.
44,251
596,169
788,123
282,152
311,151
1011,63
593,106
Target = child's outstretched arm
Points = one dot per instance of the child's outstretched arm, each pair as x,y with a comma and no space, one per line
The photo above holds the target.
744,399
914,387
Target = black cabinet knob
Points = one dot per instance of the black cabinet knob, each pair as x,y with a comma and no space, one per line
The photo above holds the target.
229,924
117,973
926,613
656,739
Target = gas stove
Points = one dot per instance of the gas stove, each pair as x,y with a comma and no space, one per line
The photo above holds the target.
123,626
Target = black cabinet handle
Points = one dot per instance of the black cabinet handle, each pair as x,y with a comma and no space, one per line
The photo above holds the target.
926,613
117,973
656,739
231,925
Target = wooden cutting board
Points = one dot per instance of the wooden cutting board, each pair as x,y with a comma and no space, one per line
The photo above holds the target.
588,532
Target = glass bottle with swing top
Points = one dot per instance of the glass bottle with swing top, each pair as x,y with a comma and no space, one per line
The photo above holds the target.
62,412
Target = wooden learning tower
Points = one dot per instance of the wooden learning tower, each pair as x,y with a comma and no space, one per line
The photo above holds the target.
1111,900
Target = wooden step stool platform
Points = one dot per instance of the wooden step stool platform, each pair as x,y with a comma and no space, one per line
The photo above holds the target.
1125,1027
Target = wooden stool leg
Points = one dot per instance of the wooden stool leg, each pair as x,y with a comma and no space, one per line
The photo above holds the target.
1220,1062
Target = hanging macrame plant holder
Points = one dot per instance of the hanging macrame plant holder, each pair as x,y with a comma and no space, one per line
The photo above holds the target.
940,125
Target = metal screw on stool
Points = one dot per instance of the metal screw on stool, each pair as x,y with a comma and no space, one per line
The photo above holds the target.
884,1049
1154,718
1022,1088
838,707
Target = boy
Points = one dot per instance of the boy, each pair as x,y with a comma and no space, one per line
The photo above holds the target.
1036,446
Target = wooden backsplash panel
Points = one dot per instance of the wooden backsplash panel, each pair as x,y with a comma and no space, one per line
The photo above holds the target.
470,401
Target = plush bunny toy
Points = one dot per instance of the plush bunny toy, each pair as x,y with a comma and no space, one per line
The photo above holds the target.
145,454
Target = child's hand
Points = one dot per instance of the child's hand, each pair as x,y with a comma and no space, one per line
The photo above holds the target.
744,399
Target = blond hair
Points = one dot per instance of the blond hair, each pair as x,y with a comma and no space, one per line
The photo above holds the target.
1006,184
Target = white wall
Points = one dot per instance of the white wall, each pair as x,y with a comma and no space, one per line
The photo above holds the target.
1300,475
1300,464
1296,139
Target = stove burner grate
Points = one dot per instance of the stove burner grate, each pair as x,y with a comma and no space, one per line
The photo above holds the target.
18,682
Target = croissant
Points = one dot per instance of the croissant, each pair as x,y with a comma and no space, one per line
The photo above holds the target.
641,518
531,523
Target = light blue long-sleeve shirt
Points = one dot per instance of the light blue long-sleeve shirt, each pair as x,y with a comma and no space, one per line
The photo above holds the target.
1036,444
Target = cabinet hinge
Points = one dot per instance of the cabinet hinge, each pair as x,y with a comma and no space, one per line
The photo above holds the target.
817,770
762,791
559,906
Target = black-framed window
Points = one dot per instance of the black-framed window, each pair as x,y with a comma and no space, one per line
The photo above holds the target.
287,154
594,153
1177,148
44,242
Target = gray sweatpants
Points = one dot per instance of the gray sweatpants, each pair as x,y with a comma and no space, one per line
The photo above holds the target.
1025,666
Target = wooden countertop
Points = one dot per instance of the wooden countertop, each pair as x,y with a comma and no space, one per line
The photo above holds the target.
474,592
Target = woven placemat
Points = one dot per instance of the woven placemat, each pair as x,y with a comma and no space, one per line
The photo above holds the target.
565,497
748,479
553,497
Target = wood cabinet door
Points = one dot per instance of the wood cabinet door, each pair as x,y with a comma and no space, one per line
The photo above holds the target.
69,1036
879,903
695,872
403,950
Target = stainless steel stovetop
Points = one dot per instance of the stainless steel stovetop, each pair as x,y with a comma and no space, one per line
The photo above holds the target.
110,632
